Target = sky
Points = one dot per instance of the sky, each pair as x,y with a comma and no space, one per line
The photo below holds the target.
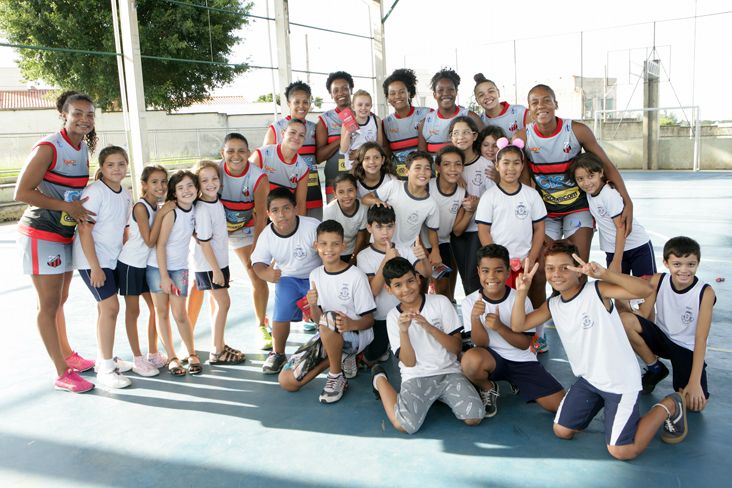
517,45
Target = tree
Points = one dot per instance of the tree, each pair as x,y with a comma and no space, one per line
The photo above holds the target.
267,98
167,30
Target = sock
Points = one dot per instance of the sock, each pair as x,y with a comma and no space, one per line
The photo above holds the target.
376,376
654,366
106,365
331,375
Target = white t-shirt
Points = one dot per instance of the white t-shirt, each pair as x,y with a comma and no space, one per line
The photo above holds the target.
477,183
512,217
179,240
595,342
112,209
411,212
504,307
365,190
352,224
136,252
211,228
432,357
369,260
604,207
447,207
294,254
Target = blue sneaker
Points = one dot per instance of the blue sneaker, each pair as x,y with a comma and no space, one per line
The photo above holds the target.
309,326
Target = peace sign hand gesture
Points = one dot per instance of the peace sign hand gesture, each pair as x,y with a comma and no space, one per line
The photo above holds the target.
591,269
523,281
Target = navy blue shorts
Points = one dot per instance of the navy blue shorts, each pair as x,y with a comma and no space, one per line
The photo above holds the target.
638,262
204,280
681,357
131,281
288,291
583,401
530,377
109,287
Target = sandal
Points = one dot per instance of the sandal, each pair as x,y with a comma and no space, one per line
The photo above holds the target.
228,356
175,368
194,368
232,350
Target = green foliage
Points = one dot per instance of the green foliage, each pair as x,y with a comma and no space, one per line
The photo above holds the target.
167,29
668,119
267,98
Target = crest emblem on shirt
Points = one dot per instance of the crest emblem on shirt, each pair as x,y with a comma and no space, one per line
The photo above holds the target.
293,179
299,252
586,321
567,148
513,127
54,261
345,292
688,317
454,208
413,218
245,191
521,211
478,179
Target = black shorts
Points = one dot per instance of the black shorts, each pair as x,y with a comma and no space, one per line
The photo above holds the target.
681,357
530,377
132,281
204,280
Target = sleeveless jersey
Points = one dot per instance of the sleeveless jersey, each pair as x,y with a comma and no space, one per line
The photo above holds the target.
549,160
595,342
678,311
511,119
237,195
135,252
366,132
64,179
307,153
334,164
281,173
402,137
177,247
435,128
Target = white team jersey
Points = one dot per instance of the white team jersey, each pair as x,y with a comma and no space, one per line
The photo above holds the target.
286,174
595,342
211,228
112,209
369,260
432,358
294,254
511,119
604,207
477,183
352,224
504,307
135,252
364,190
677,312
367,132
512,217
447,207
435,128
411,212
176,249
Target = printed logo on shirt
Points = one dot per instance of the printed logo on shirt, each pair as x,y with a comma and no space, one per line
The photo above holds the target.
54,261
567,148
514,127
688,317
521,211
478,179
69,162
299,252
455,207
413,218
267,168
345,293
586,321
602,211
245,191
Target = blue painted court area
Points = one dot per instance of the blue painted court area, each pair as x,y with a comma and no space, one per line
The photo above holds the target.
234,426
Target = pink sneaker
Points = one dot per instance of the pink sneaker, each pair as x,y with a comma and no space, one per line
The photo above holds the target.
71,381
157,359
78,363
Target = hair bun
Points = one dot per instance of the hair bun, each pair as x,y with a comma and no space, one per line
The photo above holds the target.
479,77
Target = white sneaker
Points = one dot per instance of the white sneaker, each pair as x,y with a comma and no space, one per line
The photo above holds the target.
122,365
335,386
112,380
157,359
144,368
349,366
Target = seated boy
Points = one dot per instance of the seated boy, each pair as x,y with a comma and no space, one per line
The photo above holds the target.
381,224
341,289
502,354
424,333
598,352
683,315
284,255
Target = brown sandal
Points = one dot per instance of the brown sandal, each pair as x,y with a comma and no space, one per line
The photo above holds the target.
175,368
228,356
194,368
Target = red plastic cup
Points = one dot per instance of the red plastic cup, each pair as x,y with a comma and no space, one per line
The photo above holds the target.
304,307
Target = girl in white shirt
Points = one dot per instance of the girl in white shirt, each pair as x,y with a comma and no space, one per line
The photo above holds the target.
371,168
369,128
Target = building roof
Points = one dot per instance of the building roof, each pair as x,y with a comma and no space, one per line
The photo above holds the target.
27,99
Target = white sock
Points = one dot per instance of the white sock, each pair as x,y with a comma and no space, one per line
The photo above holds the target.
373,382
106,365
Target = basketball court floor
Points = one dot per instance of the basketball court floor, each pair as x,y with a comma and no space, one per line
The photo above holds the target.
233,426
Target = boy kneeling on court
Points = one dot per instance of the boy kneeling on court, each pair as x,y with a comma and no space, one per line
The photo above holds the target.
340,295
598,352
424,333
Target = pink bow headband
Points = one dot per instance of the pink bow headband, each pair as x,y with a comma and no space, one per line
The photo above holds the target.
503,142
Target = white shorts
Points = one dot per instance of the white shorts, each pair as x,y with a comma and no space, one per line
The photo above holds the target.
41,257
563,227
241,238
355,341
